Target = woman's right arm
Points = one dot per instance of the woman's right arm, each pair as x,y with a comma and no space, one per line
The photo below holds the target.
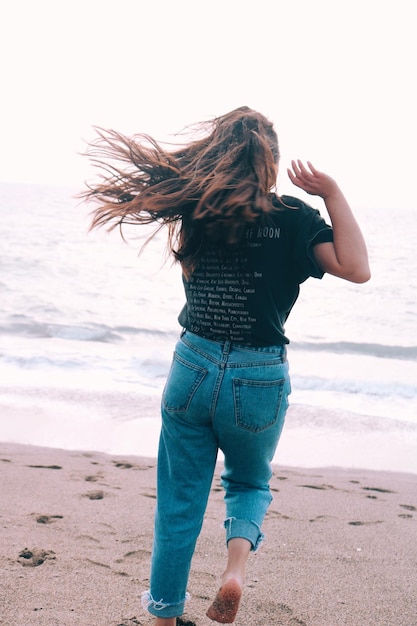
347,256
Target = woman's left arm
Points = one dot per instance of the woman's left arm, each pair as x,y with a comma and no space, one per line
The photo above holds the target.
347,256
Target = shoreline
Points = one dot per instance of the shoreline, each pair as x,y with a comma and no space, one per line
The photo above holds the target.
77,532
312,437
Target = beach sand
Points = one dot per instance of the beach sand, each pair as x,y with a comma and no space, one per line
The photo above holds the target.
76,533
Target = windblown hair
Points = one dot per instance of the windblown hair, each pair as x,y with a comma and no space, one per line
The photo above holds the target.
205,191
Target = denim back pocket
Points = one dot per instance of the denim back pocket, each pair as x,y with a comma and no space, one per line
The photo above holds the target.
183,381
257,402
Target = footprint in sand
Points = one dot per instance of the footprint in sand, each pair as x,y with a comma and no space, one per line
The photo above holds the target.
35,557
276,514
285,615
319,518
137,555
408,507
365,523
318,486
92,478
149,495
120,465
127,465
94,495
378,489
53,467
48,519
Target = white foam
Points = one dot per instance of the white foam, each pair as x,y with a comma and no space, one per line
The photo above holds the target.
122,423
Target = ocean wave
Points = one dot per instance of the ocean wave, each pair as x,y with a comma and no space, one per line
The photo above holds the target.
376,388
32,328
147,332
26,326
42,364
22,325
384,351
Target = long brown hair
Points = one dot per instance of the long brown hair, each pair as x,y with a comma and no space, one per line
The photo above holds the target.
204,191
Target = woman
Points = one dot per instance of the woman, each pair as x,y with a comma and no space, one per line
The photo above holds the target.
244,251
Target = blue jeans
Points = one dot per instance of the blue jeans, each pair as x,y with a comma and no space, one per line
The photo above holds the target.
217,396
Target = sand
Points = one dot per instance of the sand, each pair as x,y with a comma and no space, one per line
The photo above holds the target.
76,533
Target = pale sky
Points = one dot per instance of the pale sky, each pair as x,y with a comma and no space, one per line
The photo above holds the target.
337,78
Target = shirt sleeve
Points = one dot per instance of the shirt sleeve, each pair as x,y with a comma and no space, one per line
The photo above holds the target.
312,230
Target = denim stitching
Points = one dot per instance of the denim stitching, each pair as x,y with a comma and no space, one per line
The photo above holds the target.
199,351
228,524
268,384
220,376
147,601
200,373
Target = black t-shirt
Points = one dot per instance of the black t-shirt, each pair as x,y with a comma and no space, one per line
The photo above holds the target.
245,292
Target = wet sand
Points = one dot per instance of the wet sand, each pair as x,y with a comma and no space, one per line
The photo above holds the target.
76,533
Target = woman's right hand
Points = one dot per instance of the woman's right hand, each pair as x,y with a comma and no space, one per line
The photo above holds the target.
347,256
311,180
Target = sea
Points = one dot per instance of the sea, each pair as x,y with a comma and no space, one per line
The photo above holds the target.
88,326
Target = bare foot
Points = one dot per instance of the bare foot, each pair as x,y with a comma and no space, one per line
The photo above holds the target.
226,602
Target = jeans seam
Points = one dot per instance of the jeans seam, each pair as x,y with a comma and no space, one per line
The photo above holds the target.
216,392
202,353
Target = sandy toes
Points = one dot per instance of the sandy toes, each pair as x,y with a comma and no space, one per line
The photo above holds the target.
226,603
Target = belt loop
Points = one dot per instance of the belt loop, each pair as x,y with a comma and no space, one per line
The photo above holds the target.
226,347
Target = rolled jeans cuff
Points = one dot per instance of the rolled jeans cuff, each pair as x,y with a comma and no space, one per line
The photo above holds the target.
245,529
161,608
